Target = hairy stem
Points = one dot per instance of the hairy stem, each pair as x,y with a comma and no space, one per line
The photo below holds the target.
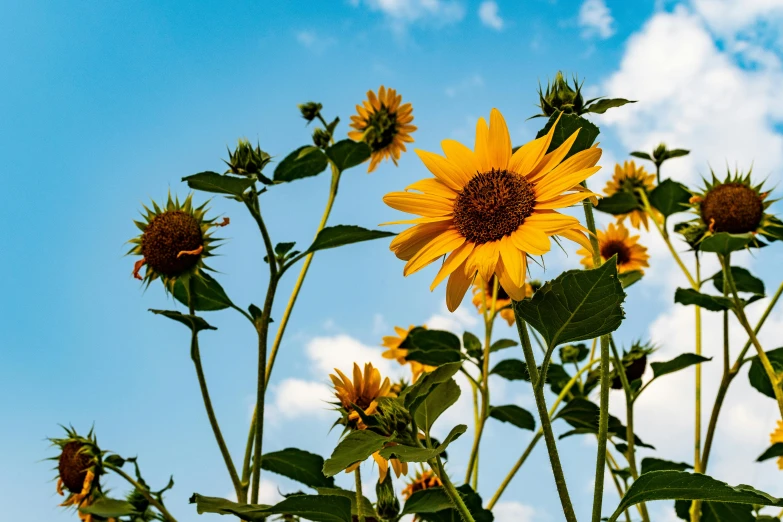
437,466
359,496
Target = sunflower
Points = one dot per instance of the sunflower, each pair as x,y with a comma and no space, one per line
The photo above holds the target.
423,480
616,241
482,298
384,125
734,206
490,208
775,437
394,351
173,242
629,178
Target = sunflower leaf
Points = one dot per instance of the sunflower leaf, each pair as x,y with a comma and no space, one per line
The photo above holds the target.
414,395
602,106
297,465
441,399
577,305
434,505
776,450
725,243
681,485
109,508
355,447
713,303
191,321
348,153
758,377
719,512
670,197
618,203
502,344
367,507
430,500
208,295
433,347
654,464
304,162
472,345
418,454
318,508
678,363
642,155
339,235
583,416
515,415
569,124
511,370
219,183
743,279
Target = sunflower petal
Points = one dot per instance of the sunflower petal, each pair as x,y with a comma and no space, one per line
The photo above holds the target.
513,261
461,156
499,144
514,290
419,204
412,240
440,245
434,187
577,237
553,159
562,201
458,285
455,260
481,146
443,169
530,239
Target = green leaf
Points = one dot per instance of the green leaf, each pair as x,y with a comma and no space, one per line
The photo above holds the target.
281,249
472,501
357,446
570,123
577,305
680,485
297,465
601,106
670,197
304,162
430,500
758,376
114,460
725,243
629,278
208,295
367,507
583,416
418,454
432,347
502,344
512,370
472,345
653,464
441,398
776,450
348,153
743,280
339,235
318,508
414,395
191,321
678,363
642,155
219,183
109,508
513,414
676,153
716,511
714,303
618,203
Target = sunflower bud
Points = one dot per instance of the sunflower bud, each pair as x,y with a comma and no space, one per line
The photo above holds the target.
321,138
246,160
659,153
573,353
138,501
560,96
388,505
310,110
634,363
392,415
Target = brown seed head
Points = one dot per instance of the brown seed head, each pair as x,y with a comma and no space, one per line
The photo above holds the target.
73,466
167,235
734,207
611,248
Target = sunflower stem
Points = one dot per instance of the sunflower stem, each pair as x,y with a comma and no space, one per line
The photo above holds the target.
437,466
251,436
697,466
359,496
144,491
195,355
546,425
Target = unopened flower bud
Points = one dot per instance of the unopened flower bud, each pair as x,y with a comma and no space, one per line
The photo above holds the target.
388,505
310,110
246,160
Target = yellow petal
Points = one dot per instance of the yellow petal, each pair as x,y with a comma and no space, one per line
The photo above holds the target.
458,284
455,260
482,143
513,261
443,169
515,291
551,221
420,204
551,160
499,144
530,239
562,201
487,259
462,157
577,237
412,240
442,244
572,171
433,186
530,154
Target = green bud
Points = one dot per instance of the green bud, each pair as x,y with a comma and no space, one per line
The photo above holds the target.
246,160
561,96
634,362
138,501
321,138
310,110
388,505
392,416
573,353
659,154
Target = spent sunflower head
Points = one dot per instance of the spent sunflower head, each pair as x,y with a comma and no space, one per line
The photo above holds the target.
635,362
630,178
616,240
775,437
384,125
394,350
174,241
483,293
79,468
489,209
735,206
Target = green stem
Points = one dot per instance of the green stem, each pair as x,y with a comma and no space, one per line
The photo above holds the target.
359,496
143,490
612,465
251,436
195,355
546,425
697,466
451,491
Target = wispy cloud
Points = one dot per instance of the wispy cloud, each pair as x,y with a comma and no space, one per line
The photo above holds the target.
402,13
595,18
468,83
314,42
489,14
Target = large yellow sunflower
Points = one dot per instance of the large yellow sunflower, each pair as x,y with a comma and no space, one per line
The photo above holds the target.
394,351
384,125
482,298
628,178
775,437
490,208
616,240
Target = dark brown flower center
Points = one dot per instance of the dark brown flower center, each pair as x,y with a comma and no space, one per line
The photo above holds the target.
167,235
492,205
73,466
491,287
610,248
734,207
383,128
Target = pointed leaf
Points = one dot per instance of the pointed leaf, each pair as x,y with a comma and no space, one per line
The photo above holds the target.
676,153
602,106
417,454
758,376
348,153
109,508
670,197
432,347
339,235
414,395
717,512
472,345
318,508
430,500
357,446
304,162
297,465
502,344
629,278
512,370
618,203
208,295
191,321
513,414
367,507
714,303
678,363
642,155
219,183
577,305
653,464
441,398
743,280
776,450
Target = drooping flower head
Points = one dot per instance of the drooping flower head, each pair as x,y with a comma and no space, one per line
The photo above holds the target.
384,125
616,240
483,294
634,364
393,343
173,242
630,178
489,209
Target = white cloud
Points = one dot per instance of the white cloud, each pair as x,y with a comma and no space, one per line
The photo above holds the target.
732,16
297,397
313,41
489,15
341,351
596,19
439,12
463,317
268,493
515,512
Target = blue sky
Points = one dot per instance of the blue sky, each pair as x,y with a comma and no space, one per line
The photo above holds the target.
106,105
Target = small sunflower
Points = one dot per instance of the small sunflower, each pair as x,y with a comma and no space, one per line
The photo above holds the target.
174,241
423,480
384,125
631,256
394,351
482,298
490,208
734,206
79,467
775,437
629,178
